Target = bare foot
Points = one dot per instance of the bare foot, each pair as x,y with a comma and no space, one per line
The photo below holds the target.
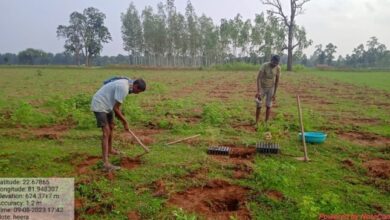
109,167
114,152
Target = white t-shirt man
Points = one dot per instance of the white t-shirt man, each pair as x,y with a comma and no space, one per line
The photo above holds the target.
106,97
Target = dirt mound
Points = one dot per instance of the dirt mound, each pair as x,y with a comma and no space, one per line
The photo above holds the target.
54,132
78,203
275,195
348,163
103,208
366,139
378,168
242,152
85,166
218,199
130,163
133,216
241,158
362,121
127,138
110,175
198,174
159,188
245,127
242,171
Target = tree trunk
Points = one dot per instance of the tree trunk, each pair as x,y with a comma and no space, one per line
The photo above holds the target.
290,48
77,56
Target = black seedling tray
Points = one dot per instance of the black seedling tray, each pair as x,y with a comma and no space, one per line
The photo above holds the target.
218,150
267,148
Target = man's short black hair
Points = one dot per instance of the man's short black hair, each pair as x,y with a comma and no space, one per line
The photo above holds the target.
275,58
141,84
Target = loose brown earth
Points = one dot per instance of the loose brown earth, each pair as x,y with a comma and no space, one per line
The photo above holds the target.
378,168
242,152
343,92
54,132
198,174
356,121
159,188
218,199
133,216
242,171
144,135
236,156
130,163
348,163
85,166
245,127
241,158
275,195
365,139
100,209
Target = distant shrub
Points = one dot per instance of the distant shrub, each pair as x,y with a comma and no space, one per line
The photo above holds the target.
299,68
295,68
324,67
236,66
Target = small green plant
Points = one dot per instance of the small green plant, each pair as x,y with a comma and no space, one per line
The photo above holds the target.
133,112
330,203
156,88
25,114
181,215
273,173
308,209
165,124
214,114
39,72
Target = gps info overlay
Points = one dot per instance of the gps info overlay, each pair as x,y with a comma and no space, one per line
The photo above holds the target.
37,198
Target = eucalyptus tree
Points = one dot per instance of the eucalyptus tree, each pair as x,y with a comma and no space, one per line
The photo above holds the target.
244,37
193,31
208,39
132,33
160,37
171,27
225,40
149,29
235,26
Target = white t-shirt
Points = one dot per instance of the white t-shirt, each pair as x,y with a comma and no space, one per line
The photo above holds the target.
106,97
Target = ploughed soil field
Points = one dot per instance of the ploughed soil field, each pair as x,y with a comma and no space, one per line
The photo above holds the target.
47,130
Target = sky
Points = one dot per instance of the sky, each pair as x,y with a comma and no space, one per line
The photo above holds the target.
345,23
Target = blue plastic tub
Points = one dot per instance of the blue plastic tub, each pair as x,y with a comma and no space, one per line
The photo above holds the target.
313,137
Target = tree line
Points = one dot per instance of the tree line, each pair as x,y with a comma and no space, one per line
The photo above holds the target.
167,37
373,54
39,57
